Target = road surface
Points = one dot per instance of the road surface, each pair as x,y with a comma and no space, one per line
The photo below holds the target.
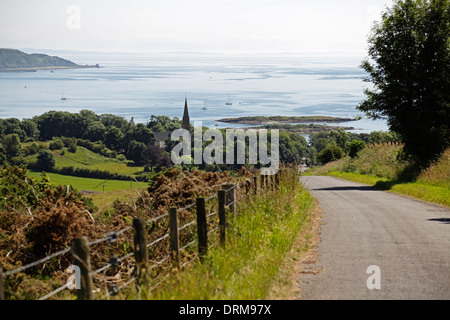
376,245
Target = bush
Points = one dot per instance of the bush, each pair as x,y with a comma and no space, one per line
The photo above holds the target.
331,153
354,147
70,143
32,149
56,144
121,157
45,161
97,147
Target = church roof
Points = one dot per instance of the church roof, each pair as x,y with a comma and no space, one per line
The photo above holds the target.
186,121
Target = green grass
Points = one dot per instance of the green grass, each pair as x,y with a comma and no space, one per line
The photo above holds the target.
379,166
417,189
258,240
84,158
90,184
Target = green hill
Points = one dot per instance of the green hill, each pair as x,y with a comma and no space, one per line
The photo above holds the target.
86,159
15,60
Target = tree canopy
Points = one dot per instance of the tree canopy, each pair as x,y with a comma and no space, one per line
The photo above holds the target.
409,66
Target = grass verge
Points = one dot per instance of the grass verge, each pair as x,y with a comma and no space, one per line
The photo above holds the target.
380,166
418,190
258,240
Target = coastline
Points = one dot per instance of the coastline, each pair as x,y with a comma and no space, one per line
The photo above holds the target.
269,120
34,69
304,130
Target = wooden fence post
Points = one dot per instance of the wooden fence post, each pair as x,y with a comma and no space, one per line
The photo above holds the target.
202,231
174,238
277,180
140,250
80,255
248,186
2,289
255,184
262,185
230,197
222,216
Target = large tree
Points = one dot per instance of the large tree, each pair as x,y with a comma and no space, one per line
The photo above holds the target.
409,66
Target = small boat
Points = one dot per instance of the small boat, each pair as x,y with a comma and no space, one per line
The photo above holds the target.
229,103
63,98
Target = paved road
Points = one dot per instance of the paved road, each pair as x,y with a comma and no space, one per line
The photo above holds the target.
407,239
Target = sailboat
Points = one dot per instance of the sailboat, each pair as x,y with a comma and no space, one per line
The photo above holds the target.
229,103
63,98
205,108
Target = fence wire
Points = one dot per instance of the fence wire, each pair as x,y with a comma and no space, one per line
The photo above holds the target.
112,236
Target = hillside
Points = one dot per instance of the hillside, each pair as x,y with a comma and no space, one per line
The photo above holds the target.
380,165
15,60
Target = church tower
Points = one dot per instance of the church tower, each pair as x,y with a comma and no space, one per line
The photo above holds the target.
186,122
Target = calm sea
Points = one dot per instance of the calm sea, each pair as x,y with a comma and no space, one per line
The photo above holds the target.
138,86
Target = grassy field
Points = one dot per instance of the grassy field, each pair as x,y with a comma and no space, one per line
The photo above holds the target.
379,166
105,192
84,158
89,184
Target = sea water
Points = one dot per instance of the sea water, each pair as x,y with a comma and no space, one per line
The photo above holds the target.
216,86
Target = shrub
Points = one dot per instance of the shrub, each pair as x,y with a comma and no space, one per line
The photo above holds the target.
354,147
70,143
56,144
331,152
32,149
45,161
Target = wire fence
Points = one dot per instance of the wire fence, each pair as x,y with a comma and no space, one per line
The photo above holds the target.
196,234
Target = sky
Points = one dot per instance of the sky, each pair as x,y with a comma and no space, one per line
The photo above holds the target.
221,26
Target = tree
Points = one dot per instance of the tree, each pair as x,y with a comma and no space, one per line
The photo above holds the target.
319,140
409,67
134,151
30,128
12,126
154,156
114,138
12,146
354,147
142,134
293,147
341,137
95,131
2,155
111,120
45,160
56,144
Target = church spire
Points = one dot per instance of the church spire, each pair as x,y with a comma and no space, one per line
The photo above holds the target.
186,122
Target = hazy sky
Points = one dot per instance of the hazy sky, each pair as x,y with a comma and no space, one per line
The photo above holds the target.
189,25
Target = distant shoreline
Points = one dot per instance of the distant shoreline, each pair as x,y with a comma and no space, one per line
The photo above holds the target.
284,119
34,69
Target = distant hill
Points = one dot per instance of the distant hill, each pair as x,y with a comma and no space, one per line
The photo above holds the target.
15,60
